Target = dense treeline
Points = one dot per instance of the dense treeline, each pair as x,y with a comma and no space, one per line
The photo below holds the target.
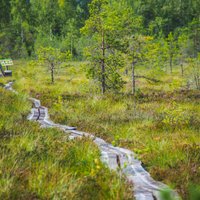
158,34
27,23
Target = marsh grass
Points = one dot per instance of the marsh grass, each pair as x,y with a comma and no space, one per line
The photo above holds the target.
160,124
40,163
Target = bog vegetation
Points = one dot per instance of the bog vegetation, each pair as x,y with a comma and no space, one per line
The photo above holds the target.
127,71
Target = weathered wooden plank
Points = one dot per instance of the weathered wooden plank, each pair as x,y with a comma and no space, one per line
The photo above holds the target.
119,159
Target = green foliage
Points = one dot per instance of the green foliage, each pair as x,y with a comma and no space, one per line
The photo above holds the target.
166,195
194,192
106,26
23,22
174,116
52,58
52,55
166,16
26,25
169,151
171,49
194,71
151,35
45,164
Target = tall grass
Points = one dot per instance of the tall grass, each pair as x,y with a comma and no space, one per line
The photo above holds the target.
161,124
40,163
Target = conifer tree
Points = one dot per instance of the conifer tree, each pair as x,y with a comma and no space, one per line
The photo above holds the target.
106,26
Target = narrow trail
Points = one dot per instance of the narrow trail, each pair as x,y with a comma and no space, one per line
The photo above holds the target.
116,158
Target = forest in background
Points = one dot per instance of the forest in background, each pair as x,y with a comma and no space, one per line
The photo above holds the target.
27,24
143,55
112,35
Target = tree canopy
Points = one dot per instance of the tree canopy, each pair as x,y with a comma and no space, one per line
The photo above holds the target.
27,24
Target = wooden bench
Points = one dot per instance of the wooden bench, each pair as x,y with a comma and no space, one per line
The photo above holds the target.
6,63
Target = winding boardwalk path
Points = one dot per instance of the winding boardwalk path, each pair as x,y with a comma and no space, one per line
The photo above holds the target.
116,158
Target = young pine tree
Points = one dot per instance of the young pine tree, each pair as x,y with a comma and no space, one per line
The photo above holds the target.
52,58
106,27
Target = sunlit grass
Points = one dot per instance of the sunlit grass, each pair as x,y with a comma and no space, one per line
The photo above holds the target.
161,124
38,163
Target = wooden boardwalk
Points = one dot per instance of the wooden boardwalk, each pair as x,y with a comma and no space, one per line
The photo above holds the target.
116,158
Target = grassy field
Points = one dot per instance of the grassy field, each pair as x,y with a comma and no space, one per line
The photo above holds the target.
160,124
41,164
